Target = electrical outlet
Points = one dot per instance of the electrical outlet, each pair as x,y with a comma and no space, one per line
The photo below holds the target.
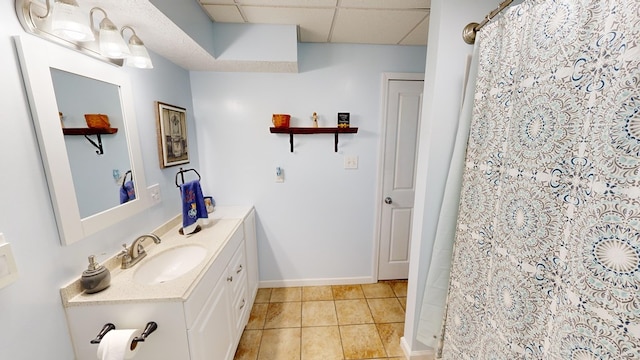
351,162
154,194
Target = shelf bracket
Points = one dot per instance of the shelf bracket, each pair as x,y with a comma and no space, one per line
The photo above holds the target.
98,146
291,140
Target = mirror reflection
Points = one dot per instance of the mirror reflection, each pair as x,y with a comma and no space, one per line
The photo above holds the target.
101,181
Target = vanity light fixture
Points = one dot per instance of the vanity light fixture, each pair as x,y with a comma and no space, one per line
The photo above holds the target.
112,45
139,55
68,21
64,23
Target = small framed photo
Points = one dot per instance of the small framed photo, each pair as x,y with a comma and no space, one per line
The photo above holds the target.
209,203
173,147
343,120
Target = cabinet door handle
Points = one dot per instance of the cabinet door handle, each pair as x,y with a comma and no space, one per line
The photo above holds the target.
243,303
239,269
230,278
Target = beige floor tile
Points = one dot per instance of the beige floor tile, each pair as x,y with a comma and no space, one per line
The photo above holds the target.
343,292
378,290
258,316
390,335
314,293
361,342
353,312
280,344
399,288
283,315
321,343
286,294
386,310
403,302
319,313
263,295
249,345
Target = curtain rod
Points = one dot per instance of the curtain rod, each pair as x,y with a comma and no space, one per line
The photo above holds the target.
469,31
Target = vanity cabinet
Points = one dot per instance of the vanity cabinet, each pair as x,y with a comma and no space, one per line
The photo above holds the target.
217,328
204,323
211,335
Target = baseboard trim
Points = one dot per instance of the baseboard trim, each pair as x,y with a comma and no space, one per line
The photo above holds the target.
415,355
316,282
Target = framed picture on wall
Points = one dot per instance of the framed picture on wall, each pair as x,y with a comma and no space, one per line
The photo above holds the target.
173,147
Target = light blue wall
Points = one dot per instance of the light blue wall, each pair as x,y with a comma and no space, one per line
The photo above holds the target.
256,42
32,322
319,223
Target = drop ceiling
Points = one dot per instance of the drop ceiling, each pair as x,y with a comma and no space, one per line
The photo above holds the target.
385,22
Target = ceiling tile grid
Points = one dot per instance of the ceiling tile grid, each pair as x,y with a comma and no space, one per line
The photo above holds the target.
387,22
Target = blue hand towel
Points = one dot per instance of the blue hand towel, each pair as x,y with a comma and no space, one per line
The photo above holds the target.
193,207
127,192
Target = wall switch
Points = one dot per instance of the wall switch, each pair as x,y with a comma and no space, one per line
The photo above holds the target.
279,174
154,194
8,269
351,162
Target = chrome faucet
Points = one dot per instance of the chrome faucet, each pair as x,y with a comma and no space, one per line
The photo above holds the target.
132,255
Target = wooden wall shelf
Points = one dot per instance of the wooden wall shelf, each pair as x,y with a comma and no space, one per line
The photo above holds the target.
88,131
91,131
312,130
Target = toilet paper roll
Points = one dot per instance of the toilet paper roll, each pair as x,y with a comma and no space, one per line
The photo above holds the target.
116,345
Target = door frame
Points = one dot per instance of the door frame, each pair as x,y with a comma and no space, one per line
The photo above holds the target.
386,78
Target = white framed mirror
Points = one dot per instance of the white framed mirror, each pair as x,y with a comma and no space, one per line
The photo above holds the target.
53,77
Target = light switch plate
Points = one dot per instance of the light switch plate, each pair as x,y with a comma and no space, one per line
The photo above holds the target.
351,162
154,194
8,269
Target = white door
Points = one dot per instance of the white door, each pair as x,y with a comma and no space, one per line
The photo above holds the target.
402,124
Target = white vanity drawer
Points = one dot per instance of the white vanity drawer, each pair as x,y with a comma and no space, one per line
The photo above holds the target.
237,271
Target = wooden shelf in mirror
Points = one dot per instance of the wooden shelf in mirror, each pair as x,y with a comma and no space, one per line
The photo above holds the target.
88,131
313,130
91,131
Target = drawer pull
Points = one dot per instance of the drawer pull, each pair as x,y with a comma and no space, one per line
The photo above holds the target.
243,303
239,269
230,279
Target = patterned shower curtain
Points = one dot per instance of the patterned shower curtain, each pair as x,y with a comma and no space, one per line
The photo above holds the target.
546,263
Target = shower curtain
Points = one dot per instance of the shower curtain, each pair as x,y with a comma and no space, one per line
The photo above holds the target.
546,262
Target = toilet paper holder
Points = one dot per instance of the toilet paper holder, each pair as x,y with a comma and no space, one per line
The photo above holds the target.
151,327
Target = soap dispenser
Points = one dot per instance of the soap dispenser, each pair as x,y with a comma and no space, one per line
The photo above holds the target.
96,278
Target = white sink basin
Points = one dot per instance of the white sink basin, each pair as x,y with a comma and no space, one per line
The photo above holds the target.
169,264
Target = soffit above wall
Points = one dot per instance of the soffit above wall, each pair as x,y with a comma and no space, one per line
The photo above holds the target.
384,22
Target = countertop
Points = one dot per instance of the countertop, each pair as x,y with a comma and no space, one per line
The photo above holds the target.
222,224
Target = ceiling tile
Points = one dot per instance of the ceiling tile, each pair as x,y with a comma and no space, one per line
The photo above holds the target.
314,24
224,13
419,35
290,3
374,26
386,4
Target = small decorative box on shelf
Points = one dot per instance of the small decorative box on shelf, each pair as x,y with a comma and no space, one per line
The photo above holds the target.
313,130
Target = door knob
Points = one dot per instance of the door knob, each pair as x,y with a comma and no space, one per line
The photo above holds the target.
388,200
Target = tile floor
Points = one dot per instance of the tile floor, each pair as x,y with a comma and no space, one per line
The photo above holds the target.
345,322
